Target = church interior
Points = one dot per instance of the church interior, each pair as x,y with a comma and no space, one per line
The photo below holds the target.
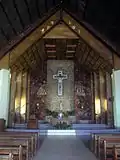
59,80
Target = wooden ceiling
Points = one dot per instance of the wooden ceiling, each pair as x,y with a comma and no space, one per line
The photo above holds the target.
60,49
65,40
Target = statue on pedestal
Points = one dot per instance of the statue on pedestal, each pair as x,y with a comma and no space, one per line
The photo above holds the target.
61,106
60,114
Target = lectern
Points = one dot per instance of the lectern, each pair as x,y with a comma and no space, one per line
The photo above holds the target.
32,123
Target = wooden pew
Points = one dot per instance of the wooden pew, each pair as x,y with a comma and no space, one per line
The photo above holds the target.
110,138
96,138
7,157
35,137
12,144
34,134
108,149
17,152
18,138
116,152
27,140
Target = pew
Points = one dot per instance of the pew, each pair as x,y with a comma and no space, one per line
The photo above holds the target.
35,136
22,145
7,157
106,148
18,138
116,152
17,152
11,144
95,140
108,139
103,144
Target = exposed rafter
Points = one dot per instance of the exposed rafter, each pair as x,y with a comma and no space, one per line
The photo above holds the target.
89,51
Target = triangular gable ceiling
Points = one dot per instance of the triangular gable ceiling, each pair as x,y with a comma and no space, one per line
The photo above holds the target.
46,27
61,31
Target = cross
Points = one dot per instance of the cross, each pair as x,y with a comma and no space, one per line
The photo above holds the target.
60,77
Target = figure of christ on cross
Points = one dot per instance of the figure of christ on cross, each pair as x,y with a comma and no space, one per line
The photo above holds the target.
60,77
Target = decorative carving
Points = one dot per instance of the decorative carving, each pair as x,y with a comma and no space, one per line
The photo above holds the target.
38,92
41,91
83,99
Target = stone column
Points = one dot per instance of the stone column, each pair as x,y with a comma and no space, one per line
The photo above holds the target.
4,94
116,94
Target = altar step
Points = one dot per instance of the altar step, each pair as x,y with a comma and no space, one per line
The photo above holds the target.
47,126
77,129
65,132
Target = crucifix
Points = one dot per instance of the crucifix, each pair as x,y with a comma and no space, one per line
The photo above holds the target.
60,77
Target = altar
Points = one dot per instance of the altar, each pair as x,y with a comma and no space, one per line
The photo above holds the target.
68,120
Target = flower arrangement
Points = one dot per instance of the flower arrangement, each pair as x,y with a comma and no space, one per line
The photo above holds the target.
55,114
62,125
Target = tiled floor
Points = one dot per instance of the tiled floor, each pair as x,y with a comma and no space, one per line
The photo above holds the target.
63,148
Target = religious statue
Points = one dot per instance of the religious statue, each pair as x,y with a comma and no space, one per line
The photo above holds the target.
60,77
60,116
61,106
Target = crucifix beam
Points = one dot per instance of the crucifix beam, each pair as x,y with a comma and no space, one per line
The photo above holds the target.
60,77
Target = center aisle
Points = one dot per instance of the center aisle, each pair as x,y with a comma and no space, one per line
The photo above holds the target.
64,148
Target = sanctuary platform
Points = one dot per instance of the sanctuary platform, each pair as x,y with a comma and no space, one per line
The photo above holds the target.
76,129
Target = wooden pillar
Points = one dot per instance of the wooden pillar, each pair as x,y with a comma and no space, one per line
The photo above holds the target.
103,101
28,97
93,97
18,95
12,98
97,98
23,97
109,99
